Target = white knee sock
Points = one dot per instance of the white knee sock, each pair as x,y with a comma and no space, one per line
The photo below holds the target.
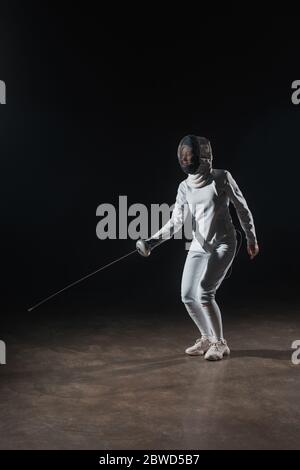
214,318
199,317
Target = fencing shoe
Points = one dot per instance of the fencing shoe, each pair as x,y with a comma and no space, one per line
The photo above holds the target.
217,351
200,347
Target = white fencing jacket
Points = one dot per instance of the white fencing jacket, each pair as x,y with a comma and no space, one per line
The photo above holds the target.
209,209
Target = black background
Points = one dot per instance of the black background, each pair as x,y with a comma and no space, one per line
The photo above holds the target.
94,112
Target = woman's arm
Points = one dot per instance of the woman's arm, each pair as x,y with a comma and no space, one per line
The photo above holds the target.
179,213
243,212
178,216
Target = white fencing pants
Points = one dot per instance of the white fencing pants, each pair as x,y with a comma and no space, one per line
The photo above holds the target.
202,275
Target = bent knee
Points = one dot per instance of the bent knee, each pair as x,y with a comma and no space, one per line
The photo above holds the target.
188,297
207,295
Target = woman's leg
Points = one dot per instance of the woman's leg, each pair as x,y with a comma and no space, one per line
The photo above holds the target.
194,268
217,266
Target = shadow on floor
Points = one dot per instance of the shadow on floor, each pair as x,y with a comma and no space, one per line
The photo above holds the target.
263,353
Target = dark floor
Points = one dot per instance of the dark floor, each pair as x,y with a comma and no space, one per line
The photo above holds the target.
120,380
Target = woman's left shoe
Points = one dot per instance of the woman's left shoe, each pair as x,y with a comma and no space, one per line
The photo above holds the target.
217,351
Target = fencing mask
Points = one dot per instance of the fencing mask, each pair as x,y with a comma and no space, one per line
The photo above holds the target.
195,155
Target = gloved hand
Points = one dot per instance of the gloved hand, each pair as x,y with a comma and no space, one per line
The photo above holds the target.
145,247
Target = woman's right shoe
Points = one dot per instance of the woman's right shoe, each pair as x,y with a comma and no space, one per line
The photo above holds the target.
200,347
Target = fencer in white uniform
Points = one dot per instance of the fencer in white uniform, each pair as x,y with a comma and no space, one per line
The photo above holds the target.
205,194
